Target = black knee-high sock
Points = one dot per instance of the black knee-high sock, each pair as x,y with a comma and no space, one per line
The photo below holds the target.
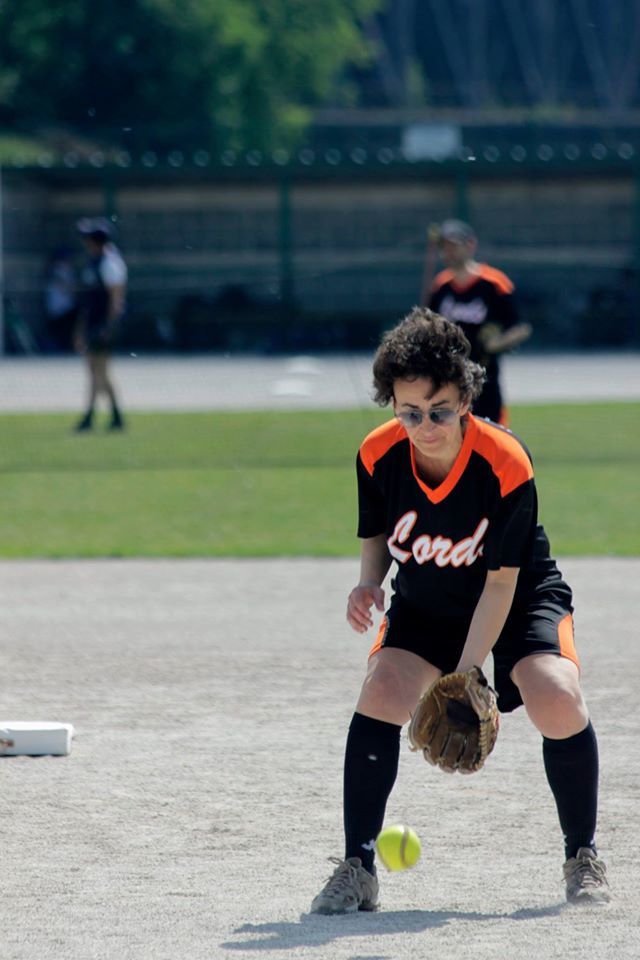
370,769
572,771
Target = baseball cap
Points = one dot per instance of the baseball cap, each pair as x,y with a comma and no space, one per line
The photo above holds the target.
456,230
94,227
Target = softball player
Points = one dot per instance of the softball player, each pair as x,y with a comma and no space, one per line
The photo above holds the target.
481,299
451,498
102,306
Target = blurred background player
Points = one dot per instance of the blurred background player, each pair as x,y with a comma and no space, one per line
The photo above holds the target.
102,304
480,299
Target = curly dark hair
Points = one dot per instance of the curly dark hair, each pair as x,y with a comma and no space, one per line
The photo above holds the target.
425,344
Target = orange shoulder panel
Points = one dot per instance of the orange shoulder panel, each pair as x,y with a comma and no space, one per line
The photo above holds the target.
504,453
375,445
445,276
500,280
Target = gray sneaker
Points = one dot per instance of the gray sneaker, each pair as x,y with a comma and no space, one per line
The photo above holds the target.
586,878
349,888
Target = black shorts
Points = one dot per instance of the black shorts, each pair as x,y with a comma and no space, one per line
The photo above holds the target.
100,344
545,625
101,338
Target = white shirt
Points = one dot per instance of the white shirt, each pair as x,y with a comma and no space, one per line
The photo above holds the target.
113,269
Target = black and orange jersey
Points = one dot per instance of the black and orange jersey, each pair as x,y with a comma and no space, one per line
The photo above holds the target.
488,297
483,516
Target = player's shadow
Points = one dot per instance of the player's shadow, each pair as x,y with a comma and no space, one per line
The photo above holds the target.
313,930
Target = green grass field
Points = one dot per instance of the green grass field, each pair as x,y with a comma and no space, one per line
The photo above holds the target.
267,484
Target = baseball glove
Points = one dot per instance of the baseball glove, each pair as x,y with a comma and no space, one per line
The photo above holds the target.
456,722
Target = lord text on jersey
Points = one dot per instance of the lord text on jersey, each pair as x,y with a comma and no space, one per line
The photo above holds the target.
442,550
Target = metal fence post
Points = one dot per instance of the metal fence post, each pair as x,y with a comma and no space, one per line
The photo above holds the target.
2,338
110,193
462,191
634,297
285,243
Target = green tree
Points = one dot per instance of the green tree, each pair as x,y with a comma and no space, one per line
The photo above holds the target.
219,73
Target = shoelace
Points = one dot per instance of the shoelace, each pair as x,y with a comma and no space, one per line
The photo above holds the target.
341,878
589,873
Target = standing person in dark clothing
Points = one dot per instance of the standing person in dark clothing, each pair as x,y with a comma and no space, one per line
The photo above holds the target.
481,300
102,305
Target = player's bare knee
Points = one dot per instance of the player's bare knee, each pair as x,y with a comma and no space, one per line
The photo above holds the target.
558,711
385,688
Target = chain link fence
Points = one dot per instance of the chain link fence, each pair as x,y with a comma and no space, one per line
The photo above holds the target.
325,252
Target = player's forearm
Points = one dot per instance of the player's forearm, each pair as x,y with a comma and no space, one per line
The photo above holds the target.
508,339
116,305
78,335
375,560
487,622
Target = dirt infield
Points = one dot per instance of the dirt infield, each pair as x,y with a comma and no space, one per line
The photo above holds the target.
202,795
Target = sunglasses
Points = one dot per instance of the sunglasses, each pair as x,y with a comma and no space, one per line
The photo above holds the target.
413,418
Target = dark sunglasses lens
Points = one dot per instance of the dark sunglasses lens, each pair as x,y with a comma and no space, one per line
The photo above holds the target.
441,416
413,418
410,418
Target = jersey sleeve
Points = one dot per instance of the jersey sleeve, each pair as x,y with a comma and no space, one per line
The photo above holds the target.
512,531
372,512
113,271
436,296
506,310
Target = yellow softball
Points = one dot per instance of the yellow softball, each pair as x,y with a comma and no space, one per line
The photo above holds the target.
398,847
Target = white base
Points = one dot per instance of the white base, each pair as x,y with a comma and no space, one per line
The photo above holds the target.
34,739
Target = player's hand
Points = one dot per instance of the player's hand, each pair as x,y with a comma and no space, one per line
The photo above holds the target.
361,599
433,233
490,338
495,340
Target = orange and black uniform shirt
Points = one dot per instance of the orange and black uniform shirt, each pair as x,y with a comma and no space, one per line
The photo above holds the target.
444,540
487,298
